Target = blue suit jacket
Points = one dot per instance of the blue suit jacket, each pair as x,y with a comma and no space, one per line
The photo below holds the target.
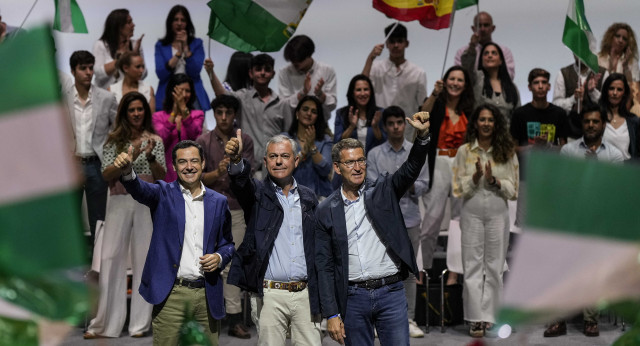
264,215
163,259
193,68
381,200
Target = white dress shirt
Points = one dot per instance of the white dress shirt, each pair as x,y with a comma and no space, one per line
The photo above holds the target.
83,114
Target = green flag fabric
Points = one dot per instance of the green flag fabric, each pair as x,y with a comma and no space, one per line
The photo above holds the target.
578,37
255,25
460,4
68,17
42,254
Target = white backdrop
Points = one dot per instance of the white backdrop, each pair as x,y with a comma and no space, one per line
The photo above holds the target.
344,31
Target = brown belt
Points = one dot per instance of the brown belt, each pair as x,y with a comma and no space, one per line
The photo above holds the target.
447,152
295,286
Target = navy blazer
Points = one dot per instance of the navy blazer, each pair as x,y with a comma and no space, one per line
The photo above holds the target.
381,199
166,203
263,215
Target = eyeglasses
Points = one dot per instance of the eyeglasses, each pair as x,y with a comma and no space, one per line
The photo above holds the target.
349,164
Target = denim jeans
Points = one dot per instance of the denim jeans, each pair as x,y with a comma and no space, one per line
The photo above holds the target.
385,308
96,190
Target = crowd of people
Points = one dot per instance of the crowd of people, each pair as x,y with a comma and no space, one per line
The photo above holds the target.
318,224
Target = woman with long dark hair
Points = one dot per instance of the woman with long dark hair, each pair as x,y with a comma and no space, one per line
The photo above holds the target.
115,41
622,126
491,81
177,120
449,105
128,225
315,165
361,118
485,176
179,51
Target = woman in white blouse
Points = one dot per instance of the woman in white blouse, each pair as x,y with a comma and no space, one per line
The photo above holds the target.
115,40
132,66
485,176
622,126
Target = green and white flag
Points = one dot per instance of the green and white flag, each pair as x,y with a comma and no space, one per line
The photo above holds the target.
580,245
578,37
460,4
42,254
69,18
255,25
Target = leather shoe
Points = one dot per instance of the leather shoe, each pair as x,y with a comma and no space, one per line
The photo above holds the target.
591,328
238,332
556,329
91,336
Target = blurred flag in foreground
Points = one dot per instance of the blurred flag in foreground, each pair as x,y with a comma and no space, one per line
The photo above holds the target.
578,37
69,18
429,13
580,245
42,255
255,25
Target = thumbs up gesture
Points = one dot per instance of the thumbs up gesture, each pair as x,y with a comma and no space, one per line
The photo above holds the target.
233,149
124,161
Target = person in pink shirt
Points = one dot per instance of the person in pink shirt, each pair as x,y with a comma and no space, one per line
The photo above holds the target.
177,120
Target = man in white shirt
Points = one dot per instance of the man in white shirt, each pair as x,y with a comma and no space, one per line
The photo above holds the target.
191,244
93,112
396,81
482,29
306,76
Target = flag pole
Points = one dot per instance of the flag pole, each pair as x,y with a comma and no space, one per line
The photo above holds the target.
28,14
446,52
209,56
579,84
391,31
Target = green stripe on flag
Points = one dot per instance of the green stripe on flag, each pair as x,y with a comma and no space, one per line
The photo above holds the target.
576,40
583,197
68,12
460,4
15,332
32,70
247,26
42,255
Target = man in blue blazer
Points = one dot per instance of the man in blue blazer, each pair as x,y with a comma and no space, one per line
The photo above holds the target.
276,258
363,251
190,245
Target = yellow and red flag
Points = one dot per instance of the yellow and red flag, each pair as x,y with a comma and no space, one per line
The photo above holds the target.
432,14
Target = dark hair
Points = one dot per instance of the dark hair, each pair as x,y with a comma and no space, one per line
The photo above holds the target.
392,111
170,35
320,125
299,48
508,88
125,59
122,130
112,27
592,107
538,72
371,105
262,60
81,57
467,99
187,143
347,143
502,143
228,101
399,32
238,71
174,80
604,102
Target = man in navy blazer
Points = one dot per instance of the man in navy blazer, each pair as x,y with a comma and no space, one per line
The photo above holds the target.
363,251
276,258
190,245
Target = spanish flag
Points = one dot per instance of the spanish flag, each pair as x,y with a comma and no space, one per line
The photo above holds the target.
432,14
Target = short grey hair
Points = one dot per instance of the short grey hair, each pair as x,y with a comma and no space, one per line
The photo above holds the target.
279,139
347,143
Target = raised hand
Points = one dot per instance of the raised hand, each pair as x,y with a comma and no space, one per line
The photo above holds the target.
233,148
208,66
138,44
437,88
307,84
318,88
376,51
420,122
124,161
376,119
151,143
353,117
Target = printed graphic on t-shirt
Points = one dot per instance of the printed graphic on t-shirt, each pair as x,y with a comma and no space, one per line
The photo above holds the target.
535,128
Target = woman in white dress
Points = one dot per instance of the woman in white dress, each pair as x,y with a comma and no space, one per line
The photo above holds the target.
485,176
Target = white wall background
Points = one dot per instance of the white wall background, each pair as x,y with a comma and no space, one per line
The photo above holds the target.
344,32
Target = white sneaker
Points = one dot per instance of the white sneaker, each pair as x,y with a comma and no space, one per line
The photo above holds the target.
414,330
